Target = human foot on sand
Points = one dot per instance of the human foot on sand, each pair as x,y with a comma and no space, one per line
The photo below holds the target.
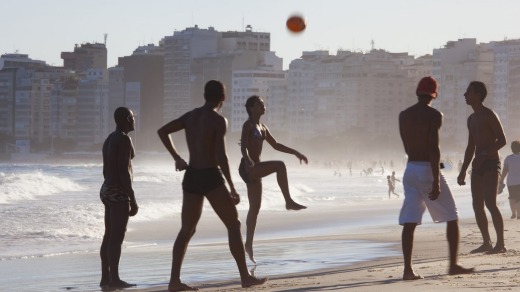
497,249
292,205
180,287
252,281
483,248
120,284
249,251
458,270
411,276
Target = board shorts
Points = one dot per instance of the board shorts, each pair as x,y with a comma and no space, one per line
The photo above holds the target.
417,184
514,192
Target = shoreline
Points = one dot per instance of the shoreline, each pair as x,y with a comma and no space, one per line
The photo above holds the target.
430,259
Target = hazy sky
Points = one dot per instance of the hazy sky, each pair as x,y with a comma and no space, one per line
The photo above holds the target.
44,28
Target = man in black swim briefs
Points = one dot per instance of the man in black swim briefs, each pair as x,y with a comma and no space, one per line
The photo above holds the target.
205,135
486,137
117,195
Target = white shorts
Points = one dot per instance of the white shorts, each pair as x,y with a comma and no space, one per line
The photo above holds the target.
417,183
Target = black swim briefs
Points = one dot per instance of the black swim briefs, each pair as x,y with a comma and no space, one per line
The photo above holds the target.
487,165
201,181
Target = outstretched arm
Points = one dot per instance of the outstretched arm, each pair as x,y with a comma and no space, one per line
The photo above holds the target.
164,134
282,148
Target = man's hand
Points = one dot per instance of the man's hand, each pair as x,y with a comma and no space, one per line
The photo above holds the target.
180,164
461,178
235,197
436,190
133,209
301,157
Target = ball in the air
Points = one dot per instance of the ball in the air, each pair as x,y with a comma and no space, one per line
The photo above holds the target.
296,23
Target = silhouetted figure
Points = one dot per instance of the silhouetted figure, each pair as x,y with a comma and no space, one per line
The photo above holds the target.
486,137
205,134
512,172
419,126
252,170
391,186
117,196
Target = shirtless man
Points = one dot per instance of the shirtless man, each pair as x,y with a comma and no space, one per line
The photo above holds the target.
205,135
252,170
419,126
117,196
486,137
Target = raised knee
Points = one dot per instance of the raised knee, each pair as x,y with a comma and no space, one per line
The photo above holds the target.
281,165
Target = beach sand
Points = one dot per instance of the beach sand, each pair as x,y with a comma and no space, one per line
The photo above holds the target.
430,259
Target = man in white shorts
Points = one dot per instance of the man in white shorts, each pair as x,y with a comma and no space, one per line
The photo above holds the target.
424,185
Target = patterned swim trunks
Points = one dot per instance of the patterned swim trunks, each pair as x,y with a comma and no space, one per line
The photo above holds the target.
112,194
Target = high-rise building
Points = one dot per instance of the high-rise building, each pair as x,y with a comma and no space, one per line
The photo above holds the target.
143,79
194,56
86,56
454,67
505,89
269,85
92,110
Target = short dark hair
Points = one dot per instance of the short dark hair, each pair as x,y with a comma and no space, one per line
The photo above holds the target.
121,114
479,88
515,146
251,102
214,91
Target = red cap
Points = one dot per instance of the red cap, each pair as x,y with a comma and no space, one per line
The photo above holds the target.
427,86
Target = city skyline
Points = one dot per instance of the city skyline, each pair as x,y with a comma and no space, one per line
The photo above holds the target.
45,29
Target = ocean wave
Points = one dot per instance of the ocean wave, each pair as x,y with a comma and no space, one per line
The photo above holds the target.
30,186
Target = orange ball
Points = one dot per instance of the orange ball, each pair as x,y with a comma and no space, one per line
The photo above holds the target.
296,24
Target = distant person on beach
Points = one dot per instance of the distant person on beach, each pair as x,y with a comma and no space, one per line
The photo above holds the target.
252,170
205,135
394,179
391,186
424,185
486,137
117,196
512,172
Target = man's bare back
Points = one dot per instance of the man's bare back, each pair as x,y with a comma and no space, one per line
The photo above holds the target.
201,124
419,126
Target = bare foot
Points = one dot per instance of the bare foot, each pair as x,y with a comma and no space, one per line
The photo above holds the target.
249,251
411,276
180,287
120,284
497,249
458,270
292,205
482,248
252,281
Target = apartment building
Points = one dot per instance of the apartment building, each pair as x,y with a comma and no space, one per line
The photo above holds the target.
269,85
455,66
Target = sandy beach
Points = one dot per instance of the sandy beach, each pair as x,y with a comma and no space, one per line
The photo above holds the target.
348,239
493,272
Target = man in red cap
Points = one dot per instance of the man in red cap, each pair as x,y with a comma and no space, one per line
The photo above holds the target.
205,135
486,137
424,185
